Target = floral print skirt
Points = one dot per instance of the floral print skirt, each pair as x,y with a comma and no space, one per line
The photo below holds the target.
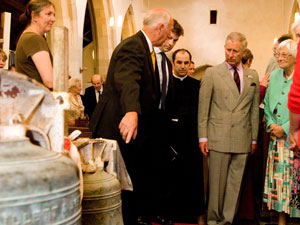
279,179
295,201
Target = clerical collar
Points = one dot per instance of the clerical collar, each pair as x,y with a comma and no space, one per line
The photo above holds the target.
180,78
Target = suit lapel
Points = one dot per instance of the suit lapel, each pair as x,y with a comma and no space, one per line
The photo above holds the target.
149,60
246,84
228,79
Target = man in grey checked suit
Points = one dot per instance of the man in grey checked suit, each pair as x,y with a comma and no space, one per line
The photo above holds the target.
228,127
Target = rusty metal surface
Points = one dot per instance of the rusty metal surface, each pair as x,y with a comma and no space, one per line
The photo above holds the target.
101,204
22,95
37,187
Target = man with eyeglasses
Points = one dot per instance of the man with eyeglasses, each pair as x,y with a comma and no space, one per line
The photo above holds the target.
92,94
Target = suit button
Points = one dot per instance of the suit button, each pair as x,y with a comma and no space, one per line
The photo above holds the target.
279,103
285,81
282,93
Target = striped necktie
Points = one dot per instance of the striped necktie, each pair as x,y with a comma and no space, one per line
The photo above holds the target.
164,80
236,78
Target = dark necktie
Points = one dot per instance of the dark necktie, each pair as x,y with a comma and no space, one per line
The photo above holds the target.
164,80
99,93
236,78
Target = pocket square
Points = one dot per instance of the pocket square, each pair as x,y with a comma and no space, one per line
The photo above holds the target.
253,84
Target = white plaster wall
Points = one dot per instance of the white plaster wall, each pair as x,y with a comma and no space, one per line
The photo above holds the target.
260,20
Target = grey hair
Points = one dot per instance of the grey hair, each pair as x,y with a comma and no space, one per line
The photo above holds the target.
157,16
239,37
73,82
290,45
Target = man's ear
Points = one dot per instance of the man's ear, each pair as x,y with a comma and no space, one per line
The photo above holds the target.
161,26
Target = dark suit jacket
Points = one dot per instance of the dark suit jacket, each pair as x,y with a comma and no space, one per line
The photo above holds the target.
131,85
188,199
89,101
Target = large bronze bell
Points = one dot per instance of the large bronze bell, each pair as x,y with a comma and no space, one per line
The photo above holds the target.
37,186
101,202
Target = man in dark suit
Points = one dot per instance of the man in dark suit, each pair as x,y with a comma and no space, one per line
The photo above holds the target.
164,70
188,199
129,111
227,127
92,94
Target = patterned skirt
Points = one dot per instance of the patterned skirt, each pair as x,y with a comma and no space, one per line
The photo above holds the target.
295,201
279,179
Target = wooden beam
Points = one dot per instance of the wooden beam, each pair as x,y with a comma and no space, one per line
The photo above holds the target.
15,4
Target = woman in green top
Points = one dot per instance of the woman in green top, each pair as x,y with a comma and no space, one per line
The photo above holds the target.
33,57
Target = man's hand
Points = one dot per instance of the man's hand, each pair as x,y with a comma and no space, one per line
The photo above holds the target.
128,126
276,130
253,148
265,80
204,148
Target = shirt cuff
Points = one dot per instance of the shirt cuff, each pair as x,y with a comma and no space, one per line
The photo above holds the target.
202,140
254,142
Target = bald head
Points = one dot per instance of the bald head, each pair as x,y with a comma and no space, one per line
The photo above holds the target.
157,24
97,81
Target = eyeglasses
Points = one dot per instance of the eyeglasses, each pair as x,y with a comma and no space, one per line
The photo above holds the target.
284,56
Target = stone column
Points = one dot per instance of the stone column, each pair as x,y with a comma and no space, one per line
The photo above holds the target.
60,43
60,59
5,26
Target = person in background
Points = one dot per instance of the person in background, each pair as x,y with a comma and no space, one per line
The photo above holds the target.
76,107
294,115
33,57
130,111
247,61
188,199
92,94
191,69
3,58
11,62
294,99
280,162
164,71
228,118
247,58
272,65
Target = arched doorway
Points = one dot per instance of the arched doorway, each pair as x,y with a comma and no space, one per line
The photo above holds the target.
128,28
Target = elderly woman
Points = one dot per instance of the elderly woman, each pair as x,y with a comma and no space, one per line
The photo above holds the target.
280,164
76,106
33,57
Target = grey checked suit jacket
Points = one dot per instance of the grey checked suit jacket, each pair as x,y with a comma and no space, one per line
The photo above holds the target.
228,119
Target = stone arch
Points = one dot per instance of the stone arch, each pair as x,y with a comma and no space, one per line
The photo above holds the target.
292,17
128,28
66,16
103,34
